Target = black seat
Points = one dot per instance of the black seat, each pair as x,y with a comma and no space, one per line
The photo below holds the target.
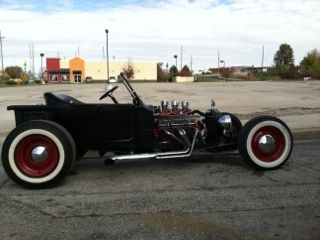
56,98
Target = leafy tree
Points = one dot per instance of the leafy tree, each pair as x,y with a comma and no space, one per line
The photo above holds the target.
14,71
310,64
283,59
128,70
185,72
173,71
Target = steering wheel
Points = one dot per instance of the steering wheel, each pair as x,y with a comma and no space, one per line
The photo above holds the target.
109,93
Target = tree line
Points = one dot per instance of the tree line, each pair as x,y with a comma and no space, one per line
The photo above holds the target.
285,67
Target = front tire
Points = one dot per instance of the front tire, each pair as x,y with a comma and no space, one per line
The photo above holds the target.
265,142
38,154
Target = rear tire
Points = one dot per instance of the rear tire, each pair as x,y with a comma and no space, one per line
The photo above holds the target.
265,142
38,154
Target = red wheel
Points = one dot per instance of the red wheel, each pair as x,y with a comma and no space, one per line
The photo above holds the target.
265,142
38,154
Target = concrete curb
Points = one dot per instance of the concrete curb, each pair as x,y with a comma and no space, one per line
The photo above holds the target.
306,134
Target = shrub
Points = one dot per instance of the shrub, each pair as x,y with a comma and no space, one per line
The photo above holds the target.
226,72
11,82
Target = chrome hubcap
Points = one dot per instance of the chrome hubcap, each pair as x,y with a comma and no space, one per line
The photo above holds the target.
267,143
39,154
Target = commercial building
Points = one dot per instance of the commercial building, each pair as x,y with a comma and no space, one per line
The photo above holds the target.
77,70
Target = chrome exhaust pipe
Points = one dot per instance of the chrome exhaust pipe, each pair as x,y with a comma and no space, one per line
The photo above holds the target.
175,154
187,153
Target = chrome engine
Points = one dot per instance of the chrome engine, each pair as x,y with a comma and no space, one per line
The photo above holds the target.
175,124
175,116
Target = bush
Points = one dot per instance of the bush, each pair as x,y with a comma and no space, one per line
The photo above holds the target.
293,73
241,76
14,71
271,75
11,82
226,72
37,81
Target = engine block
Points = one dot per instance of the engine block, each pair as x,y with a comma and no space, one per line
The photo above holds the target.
175,120
174,116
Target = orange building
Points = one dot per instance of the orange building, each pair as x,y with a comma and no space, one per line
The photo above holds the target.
77,70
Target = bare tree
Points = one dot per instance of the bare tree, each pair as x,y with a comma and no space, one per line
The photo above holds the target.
128,70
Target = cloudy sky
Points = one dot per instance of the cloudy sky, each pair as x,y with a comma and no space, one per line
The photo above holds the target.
156,30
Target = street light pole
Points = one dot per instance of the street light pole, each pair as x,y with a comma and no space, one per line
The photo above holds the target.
41,55
224,63
107,55
176,57
1,53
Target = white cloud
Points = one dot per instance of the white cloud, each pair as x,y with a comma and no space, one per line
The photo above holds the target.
157,30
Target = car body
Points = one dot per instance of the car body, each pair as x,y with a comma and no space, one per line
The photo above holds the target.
48,138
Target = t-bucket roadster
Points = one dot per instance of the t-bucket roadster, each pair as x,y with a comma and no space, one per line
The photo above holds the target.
48,139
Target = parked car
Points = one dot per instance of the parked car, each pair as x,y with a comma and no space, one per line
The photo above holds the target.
47,140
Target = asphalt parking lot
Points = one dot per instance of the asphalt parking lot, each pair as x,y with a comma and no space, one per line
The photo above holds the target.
206,197
210,196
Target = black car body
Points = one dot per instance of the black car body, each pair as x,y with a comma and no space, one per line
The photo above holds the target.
48,138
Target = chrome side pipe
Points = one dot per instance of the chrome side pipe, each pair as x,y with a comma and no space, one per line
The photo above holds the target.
174,154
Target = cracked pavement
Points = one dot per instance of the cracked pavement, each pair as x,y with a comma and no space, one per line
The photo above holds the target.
210,196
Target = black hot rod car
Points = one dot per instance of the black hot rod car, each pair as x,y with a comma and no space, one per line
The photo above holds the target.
47,140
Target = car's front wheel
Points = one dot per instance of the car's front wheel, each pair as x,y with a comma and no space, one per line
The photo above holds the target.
38,154
265,142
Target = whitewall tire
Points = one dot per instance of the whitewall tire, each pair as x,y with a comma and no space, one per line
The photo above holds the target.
265,142
38,154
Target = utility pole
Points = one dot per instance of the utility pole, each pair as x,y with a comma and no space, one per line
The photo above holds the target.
107,55
218,61
181,54
32,60
1,52
262,58
191,62
41,55
176,58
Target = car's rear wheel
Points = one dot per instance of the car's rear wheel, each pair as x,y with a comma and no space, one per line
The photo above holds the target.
265,142
38,154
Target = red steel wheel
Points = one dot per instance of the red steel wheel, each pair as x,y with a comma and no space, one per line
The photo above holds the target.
265,142
36,155
268,143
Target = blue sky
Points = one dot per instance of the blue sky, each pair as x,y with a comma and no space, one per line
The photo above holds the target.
156,30
51,5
